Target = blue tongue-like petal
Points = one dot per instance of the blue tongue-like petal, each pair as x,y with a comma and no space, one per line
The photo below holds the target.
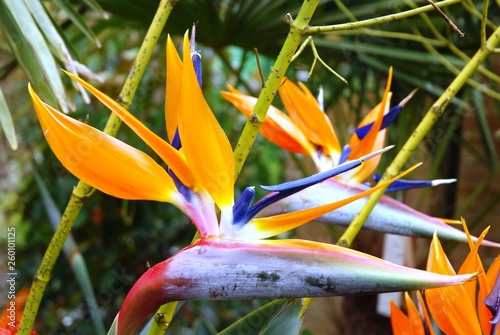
492,301
403,185
388,118
346,150
243,212
242,206
386,121
196,58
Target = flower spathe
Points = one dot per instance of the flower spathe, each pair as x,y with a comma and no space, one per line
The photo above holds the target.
200,175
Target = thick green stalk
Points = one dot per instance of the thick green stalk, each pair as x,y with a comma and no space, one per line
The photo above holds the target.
82,190
422,129
266,96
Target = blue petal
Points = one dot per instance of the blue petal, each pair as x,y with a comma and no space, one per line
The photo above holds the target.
297,185
388,118
241,208
176,142
196,58
289,188
492,301
183,189
346,150
403,185
386,121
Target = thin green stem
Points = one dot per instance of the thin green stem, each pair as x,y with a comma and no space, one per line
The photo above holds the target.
377,20
82,190
302,47
453,69
266,96
422,129
453,48
392,34
484,18
471,8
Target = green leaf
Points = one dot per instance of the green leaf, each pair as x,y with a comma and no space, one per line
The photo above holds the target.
484,127
77,20
6,122
204,327
55,40
30,49
278,317
97,7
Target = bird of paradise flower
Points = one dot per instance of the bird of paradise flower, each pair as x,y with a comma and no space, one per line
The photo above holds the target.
231,259
469,308
306,130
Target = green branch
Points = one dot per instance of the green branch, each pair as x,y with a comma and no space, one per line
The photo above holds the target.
377,20
82,191
266,96
422,129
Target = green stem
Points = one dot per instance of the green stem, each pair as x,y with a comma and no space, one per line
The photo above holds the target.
377,20
422,129
453,69
453,48
82,190
266,96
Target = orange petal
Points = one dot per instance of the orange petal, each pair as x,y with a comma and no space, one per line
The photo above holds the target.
259,228
437,261
473,264
171,156
452,310
100,160
305,112
361,173
483,313
174,74
205,144
450,306
493,271
400,322
425,313
278,128
414,317
362,147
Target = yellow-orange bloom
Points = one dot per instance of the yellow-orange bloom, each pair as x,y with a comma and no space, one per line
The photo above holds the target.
458,309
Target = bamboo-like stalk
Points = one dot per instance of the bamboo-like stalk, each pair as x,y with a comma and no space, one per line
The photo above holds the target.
83,190
297,31
422,129
453,48
377,20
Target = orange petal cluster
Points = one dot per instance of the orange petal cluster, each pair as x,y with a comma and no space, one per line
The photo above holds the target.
457,309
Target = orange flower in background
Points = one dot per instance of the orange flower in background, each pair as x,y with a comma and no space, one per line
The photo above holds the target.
466,308
12,313
306,130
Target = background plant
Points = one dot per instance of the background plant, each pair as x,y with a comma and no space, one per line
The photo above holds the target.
423,52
